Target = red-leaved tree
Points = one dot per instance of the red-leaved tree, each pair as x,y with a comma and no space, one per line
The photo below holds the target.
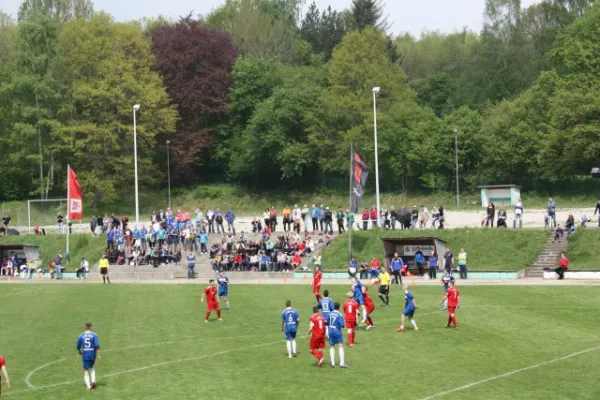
195,63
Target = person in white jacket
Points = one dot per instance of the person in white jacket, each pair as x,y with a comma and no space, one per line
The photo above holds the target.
518,213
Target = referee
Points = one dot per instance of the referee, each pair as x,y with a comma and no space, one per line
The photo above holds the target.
104,265
384,287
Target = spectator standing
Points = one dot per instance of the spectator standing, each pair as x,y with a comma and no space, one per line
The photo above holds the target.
273,218
314,214
365,219
448,261
352,268
349,219
5,222
59,221
393,218
58,266
424,217
518,213
340,221
304,215
420,261
435,216
296,218
322,217
374,216
597,210
563,266
552,212
414,217
441,217
462,264
490,214
328,221
191,264
287,220
433,267
219,221
93,224
397,265
210,218
230,218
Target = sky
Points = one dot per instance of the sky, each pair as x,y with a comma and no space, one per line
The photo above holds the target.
404,15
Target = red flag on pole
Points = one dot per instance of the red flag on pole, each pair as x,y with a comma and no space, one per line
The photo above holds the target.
75,197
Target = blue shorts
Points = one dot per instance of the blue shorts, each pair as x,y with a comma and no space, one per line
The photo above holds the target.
289,335
223,292
335,337
409,312
88,364
360,300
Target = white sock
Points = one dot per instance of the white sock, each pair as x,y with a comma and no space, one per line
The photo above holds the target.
294,346
332,355
289,347
414,323
365,315
341,351
93,376
86,379
445,303
402,326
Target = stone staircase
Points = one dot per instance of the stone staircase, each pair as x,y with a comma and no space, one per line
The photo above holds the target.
548,257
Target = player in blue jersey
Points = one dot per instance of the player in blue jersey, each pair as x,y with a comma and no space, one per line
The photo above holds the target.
88,347
223,282
410,306
289,326
325,305
335,323
446,279
359,297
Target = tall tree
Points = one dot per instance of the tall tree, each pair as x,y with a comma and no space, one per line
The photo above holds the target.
323,31
111,68
58,10
369,13
195,63
34,99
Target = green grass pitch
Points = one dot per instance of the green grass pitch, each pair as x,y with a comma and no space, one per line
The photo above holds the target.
514,342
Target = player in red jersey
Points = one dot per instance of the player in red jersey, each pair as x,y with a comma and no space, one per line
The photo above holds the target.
212,300
350,317
316,284
453,298
317,328
5,372
370,307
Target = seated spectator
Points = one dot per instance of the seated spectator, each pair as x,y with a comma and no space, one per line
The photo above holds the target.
254,260
217,262
237,262
296,262
266,261
243,239
570,224
375,268
501,219
364,270
84,268
310,246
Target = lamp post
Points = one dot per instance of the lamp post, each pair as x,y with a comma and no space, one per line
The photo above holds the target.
169,171
136,108
456,158
376,90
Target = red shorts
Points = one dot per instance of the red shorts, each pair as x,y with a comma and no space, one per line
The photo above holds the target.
317,342
351,324
316,289
451,309
370,309
213,306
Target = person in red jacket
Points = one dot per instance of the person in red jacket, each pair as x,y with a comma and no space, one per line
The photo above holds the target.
374,217
365,219
563,265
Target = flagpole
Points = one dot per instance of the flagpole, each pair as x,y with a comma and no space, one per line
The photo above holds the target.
68,207
350,208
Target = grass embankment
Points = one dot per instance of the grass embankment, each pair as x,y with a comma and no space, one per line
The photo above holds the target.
245,201
487,249
583,249
81,245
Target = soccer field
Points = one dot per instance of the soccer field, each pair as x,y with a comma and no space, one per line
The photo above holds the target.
513,343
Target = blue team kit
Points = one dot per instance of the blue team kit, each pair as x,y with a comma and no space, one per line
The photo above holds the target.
88,344
409,307
290,318
326,306
223,286
335,323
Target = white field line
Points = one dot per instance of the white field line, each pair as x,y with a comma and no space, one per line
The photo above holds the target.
162,364
41,367
507,374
